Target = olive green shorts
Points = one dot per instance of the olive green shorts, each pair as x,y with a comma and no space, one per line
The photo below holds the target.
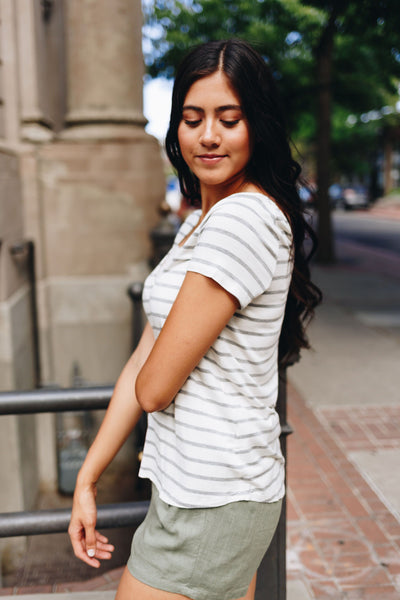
202,553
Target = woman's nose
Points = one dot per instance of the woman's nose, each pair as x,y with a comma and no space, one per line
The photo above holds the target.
210,135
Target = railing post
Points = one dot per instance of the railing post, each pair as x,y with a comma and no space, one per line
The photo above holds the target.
135,292
163,234
271,575
25,251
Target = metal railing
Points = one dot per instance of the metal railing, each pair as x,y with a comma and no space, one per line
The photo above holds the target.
56,520
55,400
271,578
271,581
119,514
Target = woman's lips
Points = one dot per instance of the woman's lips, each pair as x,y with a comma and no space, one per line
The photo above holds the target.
211,158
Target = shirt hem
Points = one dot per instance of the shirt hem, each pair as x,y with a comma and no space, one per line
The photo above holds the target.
239,497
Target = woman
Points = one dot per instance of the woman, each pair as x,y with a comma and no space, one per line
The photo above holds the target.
206,368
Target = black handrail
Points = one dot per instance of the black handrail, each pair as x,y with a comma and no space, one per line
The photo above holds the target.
14,524
122,514
55,400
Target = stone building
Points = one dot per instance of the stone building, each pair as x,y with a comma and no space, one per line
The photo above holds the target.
80,181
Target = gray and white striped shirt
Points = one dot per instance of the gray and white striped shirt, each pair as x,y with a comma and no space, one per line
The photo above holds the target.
218,441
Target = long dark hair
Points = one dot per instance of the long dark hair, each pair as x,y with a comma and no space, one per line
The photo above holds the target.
271,165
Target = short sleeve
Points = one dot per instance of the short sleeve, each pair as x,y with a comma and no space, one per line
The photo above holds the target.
238,246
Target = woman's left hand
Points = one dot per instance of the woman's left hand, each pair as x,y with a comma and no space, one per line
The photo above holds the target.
89,544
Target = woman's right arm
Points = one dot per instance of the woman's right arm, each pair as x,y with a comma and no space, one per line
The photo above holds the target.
121,417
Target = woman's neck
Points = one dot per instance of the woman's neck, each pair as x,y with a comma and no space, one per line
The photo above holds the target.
210,195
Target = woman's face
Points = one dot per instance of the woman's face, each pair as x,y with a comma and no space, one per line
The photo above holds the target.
214,135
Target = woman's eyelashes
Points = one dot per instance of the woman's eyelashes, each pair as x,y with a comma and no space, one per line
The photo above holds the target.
230,123
194,123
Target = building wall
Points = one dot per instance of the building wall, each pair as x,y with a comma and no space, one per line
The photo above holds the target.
81,179
98,205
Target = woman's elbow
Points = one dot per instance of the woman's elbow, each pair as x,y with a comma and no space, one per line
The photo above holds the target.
148,398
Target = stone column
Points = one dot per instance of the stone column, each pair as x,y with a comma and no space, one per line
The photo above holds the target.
9,94
104,66
36,125
100,182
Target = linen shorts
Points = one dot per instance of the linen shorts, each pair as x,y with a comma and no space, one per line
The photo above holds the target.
202,553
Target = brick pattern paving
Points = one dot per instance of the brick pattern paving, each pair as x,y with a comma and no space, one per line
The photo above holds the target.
363,428
342,540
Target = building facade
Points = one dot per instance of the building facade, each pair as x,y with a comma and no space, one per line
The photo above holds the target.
80,182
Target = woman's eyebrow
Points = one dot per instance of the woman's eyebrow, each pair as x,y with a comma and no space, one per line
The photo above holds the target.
218,110
228,107
190,107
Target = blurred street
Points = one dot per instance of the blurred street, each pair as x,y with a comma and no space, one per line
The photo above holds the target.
366,230
343,536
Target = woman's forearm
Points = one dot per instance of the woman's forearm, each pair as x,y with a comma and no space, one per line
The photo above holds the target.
121,417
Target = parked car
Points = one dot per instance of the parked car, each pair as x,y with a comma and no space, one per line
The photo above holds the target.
348,197
354,198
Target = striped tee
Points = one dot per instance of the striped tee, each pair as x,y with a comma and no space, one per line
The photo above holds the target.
218,441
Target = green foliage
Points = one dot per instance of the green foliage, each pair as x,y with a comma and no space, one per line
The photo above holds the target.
289,33
353,146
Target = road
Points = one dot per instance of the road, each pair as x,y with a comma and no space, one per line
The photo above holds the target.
362,228
368,257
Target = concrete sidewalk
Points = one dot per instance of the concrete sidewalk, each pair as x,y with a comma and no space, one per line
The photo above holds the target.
343,458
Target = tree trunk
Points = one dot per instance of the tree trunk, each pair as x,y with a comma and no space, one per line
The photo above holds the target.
388,160
324,57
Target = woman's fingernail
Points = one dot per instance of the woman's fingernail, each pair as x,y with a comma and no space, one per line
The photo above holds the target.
91,552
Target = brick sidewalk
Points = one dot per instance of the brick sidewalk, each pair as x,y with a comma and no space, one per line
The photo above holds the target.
342,541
